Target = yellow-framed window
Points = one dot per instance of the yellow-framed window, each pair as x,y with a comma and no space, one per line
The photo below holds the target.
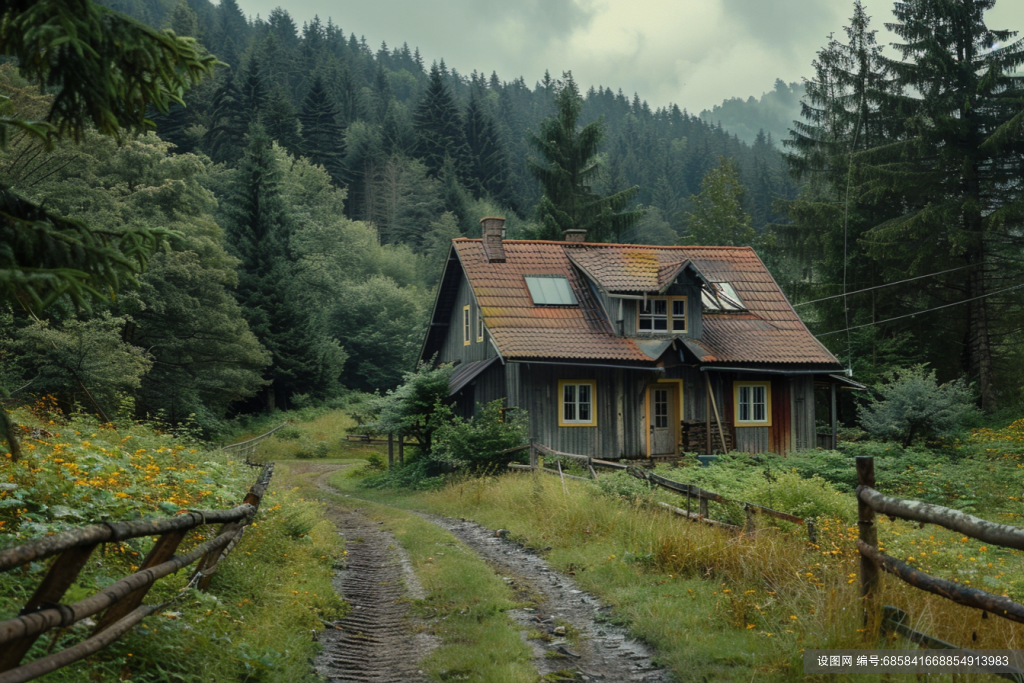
661,315
577,403
465,326
752,404
479,326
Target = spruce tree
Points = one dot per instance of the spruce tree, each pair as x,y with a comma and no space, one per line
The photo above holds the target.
717,217
322,138
957,82
488,161
569,171
439,126
258,233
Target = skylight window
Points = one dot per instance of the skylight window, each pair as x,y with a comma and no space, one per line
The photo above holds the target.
722,298
550,290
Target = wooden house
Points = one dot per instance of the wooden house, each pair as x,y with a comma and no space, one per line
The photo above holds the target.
629,351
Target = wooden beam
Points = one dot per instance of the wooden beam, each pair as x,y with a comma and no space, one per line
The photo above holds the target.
699,518
63,572
835,428
868,533
718,420
957,592
954,520
162,551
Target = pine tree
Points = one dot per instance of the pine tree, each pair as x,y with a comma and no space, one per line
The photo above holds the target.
957,84
183,21
322,138
488,160
280,120
258,233
717,217
569,171
439,126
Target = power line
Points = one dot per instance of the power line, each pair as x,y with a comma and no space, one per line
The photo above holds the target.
927,310
890,284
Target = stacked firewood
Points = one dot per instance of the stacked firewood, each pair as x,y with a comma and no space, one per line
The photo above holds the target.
694,437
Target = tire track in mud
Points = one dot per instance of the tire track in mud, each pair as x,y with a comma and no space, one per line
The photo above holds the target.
577,636
374,643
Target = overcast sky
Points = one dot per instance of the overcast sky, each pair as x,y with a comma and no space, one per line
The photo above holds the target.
692,52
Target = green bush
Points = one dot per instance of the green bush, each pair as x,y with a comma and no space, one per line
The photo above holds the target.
619,484
911,404
287,434
308,450
481,440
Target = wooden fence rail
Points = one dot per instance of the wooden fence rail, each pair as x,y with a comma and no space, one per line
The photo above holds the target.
691,491
120,602
247,449
870,501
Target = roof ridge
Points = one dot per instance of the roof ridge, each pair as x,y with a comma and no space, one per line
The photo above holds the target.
577,245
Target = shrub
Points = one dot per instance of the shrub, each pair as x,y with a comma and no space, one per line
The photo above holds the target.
619,484
411,409
911,403
308,449
287,433
480,440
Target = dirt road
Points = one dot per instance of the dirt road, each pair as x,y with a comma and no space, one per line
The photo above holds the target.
565,628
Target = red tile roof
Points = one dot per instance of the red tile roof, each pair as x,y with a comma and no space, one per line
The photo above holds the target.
770,332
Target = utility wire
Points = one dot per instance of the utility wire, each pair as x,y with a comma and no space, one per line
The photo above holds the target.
891,284
927,310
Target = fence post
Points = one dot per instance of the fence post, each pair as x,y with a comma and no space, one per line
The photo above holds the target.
162,551
63,573
703,506
812,533
401,449
533,454
868,534
391,449
750,518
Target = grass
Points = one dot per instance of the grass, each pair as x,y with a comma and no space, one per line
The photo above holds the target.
75,471
465,602
300,439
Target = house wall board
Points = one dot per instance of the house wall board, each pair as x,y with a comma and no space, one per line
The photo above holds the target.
454,349
619,407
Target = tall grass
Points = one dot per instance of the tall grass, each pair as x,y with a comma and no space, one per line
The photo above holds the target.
715,603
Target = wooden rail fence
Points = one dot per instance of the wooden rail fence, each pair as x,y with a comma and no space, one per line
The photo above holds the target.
873,560
691,491
120,602
247,449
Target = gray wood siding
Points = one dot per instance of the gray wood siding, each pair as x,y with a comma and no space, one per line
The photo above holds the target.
619,407
752,439
803,412
453,348
490,385
695,392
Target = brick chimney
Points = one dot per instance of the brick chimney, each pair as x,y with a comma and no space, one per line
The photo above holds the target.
575,235
493,232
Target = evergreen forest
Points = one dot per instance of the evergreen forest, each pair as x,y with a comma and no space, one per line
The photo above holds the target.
304,191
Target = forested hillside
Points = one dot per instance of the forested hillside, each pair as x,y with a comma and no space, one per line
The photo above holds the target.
305,193
381,119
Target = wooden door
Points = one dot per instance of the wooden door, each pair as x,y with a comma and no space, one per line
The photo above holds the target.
664,421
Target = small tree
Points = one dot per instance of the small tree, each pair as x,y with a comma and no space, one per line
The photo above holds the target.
718,217
482,439
910,403
411,409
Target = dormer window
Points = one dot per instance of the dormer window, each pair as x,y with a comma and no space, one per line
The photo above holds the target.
662,315
721,296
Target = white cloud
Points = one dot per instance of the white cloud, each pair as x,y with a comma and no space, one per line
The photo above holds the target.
692,52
